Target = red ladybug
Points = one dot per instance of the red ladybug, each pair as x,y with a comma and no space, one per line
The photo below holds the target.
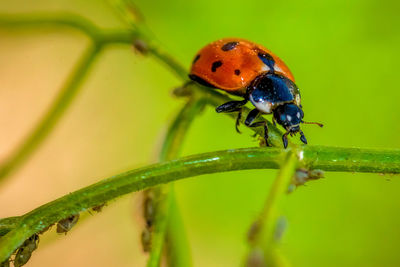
246,69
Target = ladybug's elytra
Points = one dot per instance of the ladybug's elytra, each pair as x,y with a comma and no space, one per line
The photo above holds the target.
245,69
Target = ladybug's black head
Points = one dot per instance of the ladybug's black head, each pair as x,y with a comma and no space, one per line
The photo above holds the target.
290,116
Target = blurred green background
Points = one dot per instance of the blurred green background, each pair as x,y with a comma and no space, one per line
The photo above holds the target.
344,55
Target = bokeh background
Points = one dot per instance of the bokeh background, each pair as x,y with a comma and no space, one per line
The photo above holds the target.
344,55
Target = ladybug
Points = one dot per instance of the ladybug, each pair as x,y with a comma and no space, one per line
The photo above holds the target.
243,68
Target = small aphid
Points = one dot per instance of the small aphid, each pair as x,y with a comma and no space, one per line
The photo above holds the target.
253,231
303,175
99,208
24,253
183,91
66,224
22,257
148,210
146,240
316,174
281,226
256,258
141,46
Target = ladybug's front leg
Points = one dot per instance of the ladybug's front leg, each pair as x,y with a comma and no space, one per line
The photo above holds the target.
238,118
231,106
249,122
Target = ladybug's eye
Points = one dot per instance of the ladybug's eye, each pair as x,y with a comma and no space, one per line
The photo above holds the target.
283,117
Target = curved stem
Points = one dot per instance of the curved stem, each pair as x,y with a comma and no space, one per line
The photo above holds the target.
65,20
263,241
177,244
131,181
20,228
353,160
58,108
164,195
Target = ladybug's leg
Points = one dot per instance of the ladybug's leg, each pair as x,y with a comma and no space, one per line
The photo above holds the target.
251,117
231,106
249,122
285,140
303,138
239,117
273,121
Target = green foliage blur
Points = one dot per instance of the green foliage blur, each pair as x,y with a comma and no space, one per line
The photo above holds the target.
344,55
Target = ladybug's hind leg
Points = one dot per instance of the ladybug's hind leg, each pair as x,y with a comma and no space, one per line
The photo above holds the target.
250,123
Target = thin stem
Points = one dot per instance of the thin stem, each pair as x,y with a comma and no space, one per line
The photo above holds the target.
263,241
58,108
162,200
166,208
49,20
165,194
327,158
65,20
132,17
178,254
346,159
352,160
169,61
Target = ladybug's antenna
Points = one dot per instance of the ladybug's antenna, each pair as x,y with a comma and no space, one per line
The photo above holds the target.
317,123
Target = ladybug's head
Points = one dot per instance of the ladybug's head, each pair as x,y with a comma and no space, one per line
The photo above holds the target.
290,116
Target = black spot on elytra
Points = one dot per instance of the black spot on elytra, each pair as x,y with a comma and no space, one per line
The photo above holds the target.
195,59
216,65
229,46
237,72
268,60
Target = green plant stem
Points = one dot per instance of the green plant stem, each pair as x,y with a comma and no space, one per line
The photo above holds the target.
71,21
135,180
58,108
326,158
337,159
179,127
71,87
177,245
167,214
7,224
346,159
165,194
263,244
